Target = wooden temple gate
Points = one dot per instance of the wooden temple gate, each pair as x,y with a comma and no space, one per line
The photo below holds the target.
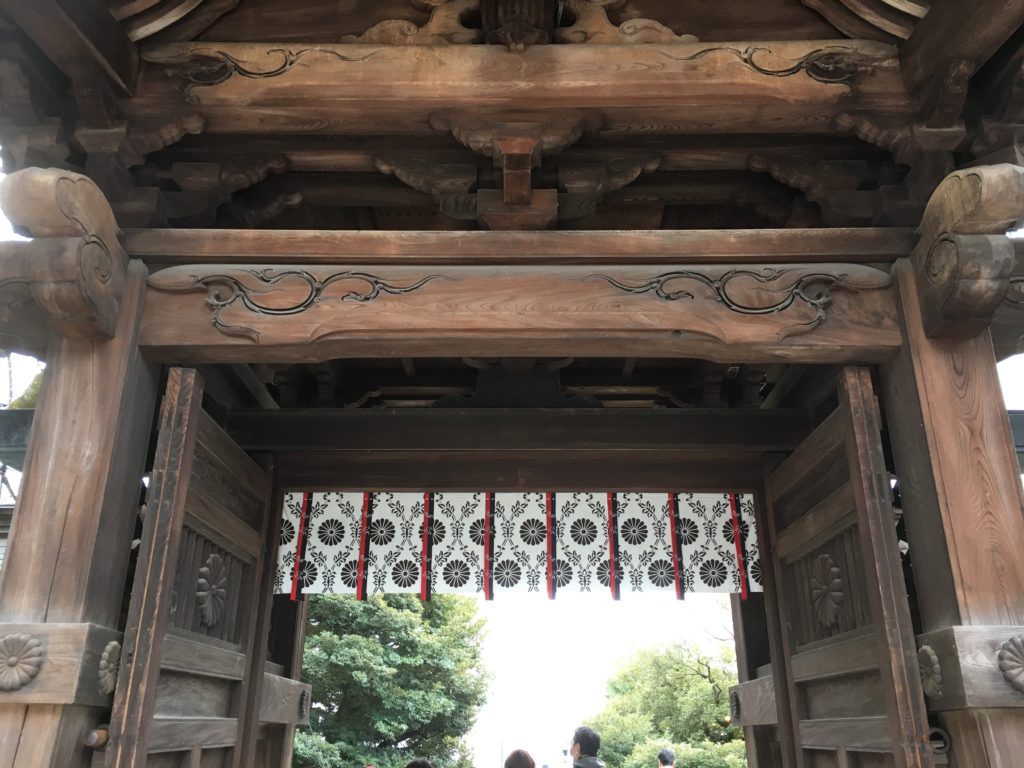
222,196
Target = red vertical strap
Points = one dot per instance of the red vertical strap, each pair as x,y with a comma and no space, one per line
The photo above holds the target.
488,545
613,542
300,545
738,539
549,504
363,539
677,557
425,552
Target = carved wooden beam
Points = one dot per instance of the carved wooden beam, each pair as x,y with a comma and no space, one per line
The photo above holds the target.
964,260
747,87
75,267
817,312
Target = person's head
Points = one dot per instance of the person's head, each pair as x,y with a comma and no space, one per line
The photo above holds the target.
520,758
585,743
420,762
666,758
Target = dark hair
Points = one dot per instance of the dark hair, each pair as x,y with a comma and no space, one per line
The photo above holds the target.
520,758
666,757
420,762
588,740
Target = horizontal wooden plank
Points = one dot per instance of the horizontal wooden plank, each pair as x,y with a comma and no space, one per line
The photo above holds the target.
498,470
861,734
815,313
833,659
824,521
165,247
753,702
969,674
823,444
173,734
746,87
201,657
518,429
284,700
69,672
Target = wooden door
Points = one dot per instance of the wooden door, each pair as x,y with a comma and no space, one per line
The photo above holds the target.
192,667
845,669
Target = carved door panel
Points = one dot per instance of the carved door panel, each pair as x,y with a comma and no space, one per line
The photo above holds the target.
185,687
851,692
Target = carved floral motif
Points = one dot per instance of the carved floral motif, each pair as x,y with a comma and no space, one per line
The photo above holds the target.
1011,662
826,590
110,667
211,591
931,671
796,287
21,657
225,290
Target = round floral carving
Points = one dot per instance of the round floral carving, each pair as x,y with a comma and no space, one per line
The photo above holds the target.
110,667
826,590
735,707
931,671
1011,662
212,590
21,656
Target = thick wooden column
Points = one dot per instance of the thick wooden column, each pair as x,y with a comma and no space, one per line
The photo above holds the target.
960,482
63,580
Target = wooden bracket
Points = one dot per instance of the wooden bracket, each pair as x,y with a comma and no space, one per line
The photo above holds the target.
964,260
75,268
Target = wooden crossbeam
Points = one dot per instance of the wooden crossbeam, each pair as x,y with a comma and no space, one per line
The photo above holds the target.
521,430
741,246
745,87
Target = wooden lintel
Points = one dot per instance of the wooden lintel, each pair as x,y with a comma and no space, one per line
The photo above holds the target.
971,667
516,429
498,470
740,246
741,87
726,313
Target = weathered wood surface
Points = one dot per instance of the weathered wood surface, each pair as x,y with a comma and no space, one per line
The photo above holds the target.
94,414
971,672
514,429
756,702
742,246
886,590
824,312
148,616
751,87
284,701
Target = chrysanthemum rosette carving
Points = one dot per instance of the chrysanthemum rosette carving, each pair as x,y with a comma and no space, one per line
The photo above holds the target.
1011,662
110,667
826,590
21,657
212,590
931,671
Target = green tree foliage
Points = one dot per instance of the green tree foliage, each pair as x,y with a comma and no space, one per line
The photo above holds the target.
30,396
393,678
674,696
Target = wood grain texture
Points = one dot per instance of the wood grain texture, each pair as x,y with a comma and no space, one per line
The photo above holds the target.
756,702
971,676
135,700
824,312
741,246
886,590
280,701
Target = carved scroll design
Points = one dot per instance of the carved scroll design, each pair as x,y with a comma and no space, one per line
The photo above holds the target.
21,657
593,26
931,671
826,590
207,67
109,667
444,27
211,590
224,291
832,65
1011,662
813,290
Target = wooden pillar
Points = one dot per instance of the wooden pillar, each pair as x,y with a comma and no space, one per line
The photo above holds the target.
62,584
958,474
